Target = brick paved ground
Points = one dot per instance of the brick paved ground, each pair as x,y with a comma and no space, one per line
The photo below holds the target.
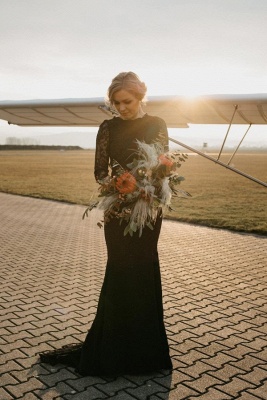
215,300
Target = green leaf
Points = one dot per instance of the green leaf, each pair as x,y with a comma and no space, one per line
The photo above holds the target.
85,214
133,226
126,230
150,226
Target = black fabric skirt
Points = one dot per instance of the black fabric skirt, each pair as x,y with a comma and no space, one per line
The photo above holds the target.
128,334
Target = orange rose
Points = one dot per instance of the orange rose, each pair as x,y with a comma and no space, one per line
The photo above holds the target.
164,160
126,183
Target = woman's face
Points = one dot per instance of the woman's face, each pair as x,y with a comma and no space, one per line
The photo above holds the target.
126,104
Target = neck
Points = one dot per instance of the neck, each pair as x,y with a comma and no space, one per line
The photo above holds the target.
140,113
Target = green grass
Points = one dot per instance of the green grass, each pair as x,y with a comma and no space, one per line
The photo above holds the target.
220,198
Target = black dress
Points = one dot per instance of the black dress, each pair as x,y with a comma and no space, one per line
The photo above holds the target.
128,334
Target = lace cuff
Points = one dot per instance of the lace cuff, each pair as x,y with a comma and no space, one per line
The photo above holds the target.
102,152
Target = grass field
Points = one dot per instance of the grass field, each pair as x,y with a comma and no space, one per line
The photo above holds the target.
220,198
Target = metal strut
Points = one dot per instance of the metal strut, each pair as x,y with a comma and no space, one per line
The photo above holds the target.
229,127
239,145
220,163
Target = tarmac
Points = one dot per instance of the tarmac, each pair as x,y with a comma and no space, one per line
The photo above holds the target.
215,303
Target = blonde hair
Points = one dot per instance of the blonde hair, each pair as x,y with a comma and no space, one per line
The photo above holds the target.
128,81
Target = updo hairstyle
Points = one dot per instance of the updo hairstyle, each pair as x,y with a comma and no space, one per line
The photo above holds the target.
128,81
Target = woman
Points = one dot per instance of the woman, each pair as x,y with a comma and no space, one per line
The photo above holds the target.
128,334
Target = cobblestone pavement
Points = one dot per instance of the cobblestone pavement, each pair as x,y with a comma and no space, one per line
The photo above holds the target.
215,301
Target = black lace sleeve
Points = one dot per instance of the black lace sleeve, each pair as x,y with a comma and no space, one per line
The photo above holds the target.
163,135
102,152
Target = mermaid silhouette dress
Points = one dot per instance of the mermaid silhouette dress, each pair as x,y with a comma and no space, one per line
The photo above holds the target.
127,335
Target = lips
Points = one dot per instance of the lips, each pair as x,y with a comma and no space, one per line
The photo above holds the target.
126,115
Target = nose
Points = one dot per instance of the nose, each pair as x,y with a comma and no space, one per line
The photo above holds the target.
122,107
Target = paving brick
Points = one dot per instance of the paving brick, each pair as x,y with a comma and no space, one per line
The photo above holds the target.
144,391
8,379
80,384
227,372
193,356
172,380
213,349
11,365
260,391
207,338
28,396
232,341
126,396
11,355
180,392
197,369
257,343
226,332
188,345
240,351
111,388
235,387
204,382
212,394
257,376
22,389
4,395
248,396
219,360
22,334
139,380
248,362
90,393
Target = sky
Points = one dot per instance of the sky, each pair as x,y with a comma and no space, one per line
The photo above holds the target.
52,49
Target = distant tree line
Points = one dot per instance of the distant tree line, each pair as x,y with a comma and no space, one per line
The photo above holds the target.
27,143
21,141
37,147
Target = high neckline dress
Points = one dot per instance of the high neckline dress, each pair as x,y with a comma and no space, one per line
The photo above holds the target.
127,335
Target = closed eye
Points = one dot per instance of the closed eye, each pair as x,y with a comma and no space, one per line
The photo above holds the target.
126,102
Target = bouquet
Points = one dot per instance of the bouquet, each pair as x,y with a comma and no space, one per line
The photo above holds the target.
136,194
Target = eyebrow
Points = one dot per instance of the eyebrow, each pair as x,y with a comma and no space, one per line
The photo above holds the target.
117,101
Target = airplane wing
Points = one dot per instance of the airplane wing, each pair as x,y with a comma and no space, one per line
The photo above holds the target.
177,111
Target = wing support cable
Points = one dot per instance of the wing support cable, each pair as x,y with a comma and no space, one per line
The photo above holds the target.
239,145
229,127
220,163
